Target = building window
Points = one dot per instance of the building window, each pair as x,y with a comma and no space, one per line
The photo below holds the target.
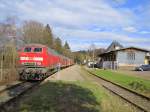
131,56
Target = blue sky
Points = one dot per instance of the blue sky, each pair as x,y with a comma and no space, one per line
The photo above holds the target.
85,22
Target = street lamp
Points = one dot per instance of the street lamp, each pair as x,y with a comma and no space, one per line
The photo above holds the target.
92,47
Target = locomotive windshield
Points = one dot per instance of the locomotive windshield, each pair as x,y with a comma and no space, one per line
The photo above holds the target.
27,49
37,49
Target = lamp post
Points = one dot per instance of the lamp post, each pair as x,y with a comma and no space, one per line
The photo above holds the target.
93,57
92,47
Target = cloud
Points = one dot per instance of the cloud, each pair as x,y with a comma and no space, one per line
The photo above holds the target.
118,2
72,13
81,38
144,32
91,35
130,29
86,45
82,22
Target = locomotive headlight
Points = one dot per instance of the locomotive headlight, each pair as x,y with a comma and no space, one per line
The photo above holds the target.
38,58
24,58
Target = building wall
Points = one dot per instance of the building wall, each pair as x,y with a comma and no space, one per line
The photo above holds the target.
147,60
140,58
123,60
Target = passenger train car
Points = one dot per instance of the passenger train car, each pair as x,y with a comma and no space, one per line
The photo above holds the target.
37,61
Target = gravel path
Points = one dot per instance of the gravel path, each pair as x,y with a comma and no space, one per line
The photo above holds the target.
69,74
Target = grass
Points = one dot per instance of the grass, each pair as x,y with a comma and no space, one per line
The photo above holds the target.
72,97
135,83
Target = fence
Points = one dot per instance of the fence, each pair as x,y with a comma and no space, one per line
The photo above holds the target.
110,65
8,63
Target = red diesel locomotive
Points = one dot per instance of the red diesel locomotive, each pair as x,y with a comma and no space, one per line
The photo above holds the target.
37,61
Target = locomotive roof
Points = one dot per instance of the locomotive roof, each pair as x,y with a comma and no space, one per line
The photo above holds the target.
35,45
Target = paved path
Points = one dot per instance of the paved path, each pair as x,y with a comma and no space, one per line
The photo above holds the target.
69,74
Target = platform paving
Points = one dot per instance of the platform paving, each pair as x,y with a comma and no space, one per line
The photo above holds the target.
69,74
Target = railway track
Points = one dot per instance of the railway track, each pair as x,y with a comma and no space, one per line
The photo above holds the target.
138,100
10,95
10,87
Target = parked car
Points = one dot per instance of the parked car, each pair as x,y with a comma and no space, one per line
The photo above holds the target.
143,68
92,64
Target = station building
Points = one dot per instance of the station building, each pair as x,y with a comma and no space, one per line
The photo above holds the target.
116,56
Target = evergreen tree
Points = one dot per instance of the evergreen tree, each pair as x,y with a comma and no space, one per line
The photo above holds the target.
48,36
66,50
66,46
58,45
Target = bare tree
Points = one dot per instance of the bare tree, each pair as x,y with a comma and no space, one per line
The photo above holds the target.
8,53
33,32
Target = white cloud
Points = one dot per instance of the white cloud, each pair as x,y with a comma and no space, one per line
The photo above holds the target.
130,29
86,46
74,13
2,6
91,35
71,19
120,1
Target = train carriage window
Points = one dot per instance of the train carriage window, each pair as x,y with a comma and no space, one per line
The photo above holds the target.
27,49
37,49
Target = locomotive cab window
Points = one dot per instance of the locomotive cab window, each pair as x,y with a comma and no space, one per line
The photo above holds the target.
27,49
37,49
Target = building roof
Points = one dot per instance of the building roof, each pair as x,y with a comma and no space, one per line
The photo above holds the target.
122,49
113,46
132,47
